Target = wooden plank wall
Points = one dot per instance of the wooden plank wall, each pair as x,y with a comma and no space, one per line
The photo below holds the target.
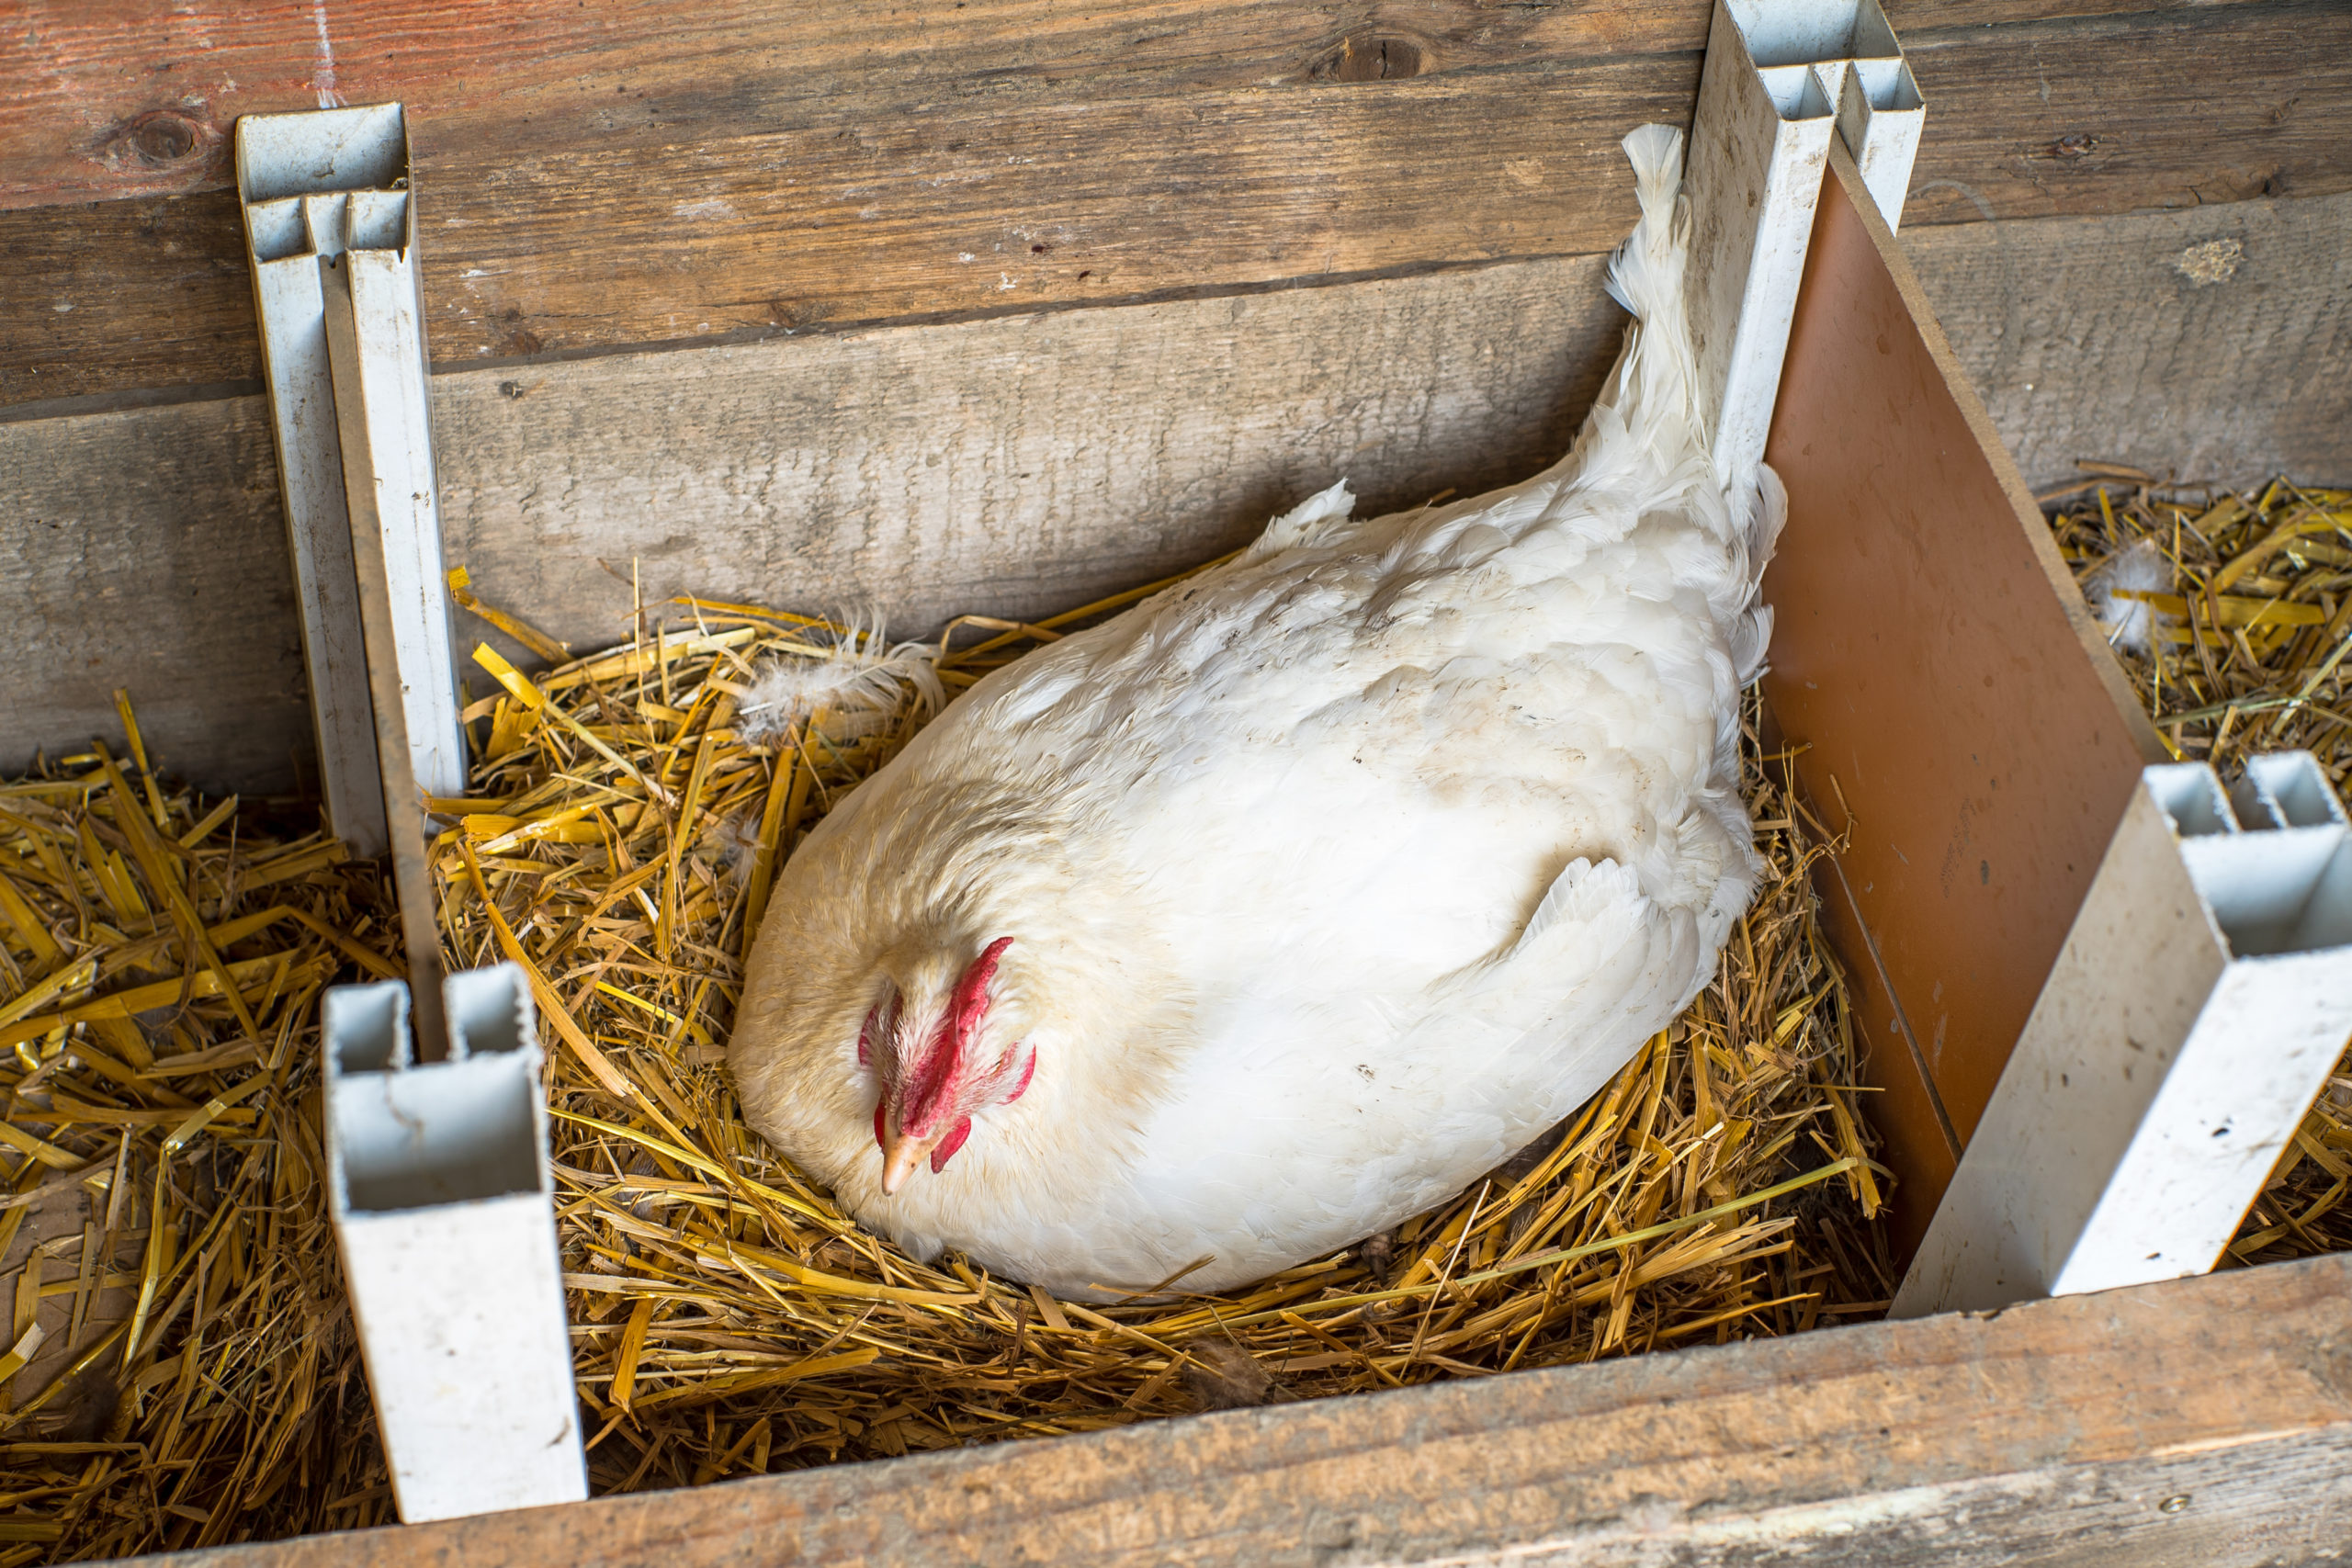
990,306
1018,465
636,172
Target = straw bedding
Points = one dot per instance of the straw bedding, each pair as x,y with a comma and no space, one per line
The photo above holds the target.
189,1373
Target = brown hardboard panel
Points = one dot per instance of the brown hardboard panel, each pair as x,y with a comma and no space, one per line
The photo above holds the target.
1961,719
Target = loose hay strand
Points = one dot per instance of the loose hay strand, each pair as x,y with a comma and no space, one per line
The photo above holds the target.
163,957
616,840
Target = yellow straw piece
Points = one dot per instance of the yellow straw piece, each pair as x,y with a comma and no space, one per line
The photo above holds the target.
506,675
539,642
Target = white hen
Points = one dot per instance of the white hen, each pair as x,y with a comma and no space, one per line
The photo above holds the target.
1281,907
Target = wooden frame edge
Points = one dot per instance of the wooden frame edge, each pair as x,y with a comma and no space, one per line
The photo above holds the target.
2205,1421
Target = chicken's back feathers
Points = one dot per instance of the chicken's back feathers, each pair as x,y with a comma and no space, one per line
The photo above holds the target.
1335,873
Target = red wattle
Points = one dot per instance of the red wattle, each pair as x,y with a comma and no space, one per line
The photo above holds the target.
946,1148
878,1108
1028,1071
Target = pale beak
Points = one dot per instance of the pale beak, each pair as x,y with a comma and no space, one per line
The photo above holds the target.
900,1156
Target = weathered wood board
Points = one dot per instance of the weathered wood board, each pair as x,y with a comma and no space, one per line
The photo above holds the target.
146,549
2213,345
2202,1424
1041,458
1017,466
115,101
629,175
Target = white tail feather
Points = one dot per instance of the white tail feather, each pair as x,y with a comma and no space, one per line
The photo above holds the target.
1649,263
1657,373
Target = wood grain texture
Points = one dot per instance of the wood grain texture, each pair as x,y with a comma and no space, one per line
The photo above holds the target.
114,100
594,178
147,550
2055,1433
1047,456
1017,466
1023,465
2089,339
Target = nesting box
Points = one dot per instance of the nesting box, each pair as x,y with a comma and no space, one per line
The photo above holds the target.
1008,309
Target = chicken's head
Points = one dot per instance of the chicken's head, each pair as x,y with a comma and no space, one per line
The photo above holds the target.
935,1067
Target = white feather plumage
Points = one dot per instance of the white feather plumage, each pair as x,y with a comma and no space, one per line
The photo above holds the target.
861,677
1335,873
2130,623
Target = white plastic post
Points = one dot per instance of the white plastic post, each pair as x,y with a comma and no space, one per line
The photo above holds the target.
283,237
2203,995
384,416
1780,78
444,1213
331,227
1880,116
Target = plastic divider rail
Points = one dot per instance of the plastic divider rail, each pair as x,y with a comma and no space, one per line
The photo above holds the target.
2203,995
444,1213
1780,78
330,231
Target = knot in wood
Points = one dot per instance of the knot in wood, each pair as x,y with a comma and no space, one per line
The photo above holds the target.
1372,57
160,137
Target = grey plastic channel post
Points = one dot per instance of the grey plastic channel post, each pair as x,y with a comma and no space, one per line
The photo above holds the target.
2200,1002
330,231
1780,78
444,1213
330,219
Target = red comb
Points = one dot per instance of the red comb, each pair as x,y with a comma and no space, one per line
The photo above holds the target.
971,997
943,1066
